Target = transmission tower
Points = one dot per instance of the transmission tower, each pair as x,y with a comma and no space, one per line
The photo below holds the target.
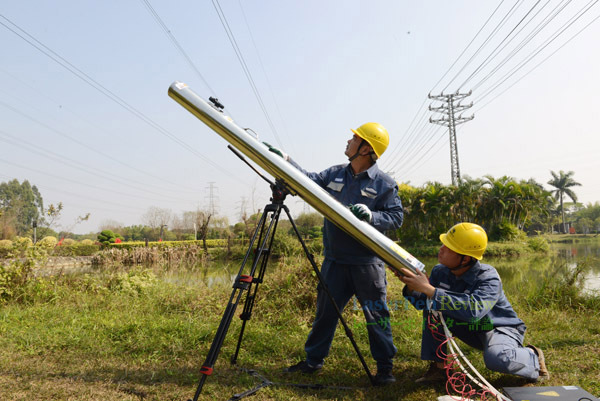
213,198
449,108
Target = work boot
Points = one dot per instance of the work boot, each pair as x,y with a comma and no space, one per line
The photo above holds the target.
303,367
384,377
543,372
433,375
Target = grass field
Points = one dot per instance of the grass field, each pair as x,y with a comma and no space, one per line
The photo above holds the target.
130,335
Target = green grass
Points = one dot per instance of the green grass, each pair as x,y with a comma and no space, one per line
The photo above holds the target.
128,335
573,238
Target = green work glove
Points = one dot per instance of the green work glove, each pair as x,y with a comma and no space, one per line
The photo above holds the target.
277,151
362,212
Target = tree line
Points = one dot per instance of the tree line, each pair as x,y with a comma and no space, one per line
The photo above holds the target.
504,206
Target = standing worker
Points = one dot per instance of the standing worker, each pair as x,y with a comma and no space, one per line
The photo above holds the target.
349,268
470,297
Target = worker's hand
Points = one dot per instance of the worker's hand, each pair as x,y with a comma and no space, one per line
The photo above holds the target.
277,151
362,212
417,282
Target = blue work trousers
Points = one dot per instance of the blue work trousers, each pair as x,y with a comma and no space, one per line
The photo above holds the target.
368,283
502,348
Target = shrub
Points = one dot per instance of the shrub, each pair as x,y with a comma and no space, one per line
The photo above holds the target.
133,282
6,246
538,244
107,237
210,243
14,278
68,241
285,244
506,232
23,243
76,249
47,242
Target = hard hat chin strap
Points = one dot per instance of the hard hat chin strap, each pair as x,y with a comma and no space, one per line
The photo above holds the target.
373,158
460,264
357,151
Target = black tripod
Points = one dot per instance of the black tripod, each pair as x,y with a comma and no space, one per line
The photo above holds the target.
263,238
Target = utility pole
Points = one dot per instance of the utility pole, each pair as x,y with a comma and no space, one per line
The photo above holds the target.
449,108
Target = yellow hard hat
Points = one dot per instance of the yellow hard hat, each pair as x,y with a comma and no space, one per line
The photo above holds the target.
466,239
376,135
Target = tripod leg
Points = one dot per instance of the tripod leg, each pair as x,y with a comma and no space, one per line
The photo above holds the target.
241,283
326,290
261,257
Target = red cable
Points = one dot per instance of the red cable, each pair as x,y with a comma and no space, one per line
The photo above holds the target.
457,381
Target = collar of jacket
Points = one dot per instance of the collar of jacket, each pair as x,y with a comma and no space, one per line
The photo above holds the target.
371,171
470,275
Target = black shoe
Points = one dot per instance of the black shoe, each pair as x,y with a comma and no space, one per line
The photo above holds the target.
384,378
303,367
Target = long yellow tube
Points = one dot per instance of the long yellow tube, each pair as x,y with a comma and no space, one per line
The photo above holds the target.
390,252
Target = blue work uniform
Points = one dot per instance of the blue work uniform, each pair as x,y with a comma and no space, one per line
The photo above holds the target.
477,311
349,268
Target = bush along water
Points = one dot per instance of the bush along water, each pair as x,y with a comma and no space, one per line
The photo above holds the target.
563,289
16,270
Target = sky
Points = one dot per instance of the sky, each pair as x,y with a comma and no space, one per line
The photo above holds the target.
85,115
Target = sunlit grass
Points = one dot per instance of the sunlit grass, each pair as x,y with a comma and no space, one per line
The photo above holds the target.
115,336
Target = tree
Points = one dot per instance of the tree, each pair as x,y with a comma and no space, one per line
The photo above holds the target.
156,217
590,216
202,222
492,203
563,182
111,225
53,212
21,204
309,225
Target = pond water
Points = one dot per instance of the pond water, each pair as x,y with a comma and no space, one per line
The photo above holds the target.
589,254
515,272
562,259
529,270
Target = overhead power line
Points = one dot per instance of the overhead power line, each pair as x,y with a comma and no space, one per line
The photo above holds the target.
245,68
467,47
486,41
128,166
106,92
534,68
416,136
539,49
413,135
62,177
103,201
67,161
523,42
175,43
265,74
495,51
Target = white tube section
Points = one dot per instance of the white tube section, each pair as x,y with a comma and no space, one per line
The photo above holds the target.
390,252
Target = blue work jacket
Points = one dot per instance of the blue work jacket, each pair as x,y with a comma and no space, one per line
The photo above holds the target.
476,296
373,188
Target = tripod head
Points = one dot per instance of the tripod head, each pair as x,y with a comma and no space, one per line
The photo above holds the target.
278,192
278,188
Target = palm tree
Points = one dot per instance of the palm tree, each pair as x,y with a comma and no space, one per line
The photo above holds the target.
563,183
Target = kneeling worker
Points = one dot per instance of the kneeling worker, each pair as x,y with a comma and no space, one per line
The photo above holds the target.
470,297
